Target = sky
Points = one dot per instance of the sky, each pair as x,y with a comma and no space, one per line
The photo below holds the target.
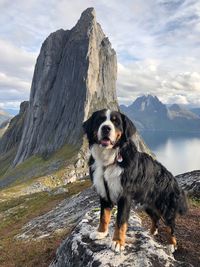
157,44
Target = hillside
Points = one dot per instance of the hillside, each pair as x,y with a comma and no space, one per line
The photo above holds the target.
149,113
4,116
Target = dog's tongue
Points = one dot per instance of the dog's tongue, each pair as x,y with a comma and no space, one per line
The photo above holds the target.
105,142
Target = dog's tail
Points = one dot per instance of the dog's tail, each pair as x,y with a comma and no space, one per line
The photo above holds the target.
182,203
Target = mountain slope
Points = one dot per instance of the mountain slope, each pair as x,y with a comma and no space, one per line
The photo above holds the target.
4,116
196,111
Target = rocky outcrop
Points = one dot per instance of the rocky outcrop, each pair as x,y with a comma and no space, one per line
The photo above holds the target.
65,216
12,136
79,250
190,182
142,250
75,74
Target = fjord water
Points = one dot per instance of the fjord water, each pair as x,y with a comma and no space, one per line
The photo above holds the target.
178,152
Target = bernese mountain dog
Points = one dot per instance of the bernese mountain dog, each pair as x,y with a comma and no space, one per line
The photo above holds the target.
121,174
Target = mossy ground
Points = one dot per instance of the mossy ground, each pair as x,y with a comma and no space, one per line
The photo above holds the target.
15,213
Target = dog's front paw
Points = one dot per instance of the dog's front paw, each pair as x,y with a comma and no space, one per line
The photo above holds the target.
154,231
98,235
172,248
116,246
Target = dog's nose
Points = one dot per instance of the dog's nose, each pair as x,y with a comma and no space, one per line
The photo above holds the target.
106,129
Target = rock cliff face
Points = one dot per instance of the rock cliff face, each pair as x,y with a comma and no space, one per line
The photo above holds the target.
75,74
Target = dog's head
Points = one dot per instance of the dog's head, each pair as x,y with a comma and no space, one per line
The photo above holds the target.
108,128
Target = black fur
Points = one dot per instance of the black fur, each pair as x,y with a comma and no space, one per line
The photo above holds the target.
144,180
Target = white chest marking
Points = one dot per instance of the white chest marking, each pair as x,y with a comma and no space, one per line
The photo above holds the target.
103,170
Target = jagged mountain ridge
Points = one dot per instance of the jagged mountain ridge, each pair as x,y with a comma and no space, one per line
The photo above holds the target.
149,113
74,74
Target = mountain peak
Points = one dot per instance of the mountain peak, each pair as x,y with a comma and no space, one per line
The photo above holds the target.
68,85
148,103
88,14
86,23
175,107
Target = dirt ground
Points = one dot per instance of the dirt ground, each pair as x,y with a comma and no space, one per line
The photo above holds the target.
187,234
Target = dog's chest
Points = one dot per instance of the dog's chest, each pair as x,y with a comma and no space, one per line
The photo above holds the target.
109,175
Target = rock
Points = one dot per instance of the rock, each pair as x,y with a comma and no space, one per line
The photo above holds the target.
75,74
66,215
190,182
59,191
80,216
141,249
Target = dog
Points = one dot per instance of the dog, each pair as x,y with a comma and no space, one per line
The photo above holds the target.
121,174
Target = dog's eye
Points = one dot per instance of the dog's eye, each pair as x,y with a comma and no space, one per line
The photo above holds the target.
115,120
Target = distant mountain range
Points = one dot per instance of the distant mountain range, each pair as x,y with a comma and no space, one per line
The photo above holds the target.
149,113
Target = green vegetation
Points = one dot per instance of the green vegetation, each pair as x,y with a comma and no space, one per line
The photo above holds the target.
37,166
195,202
15,213
5,161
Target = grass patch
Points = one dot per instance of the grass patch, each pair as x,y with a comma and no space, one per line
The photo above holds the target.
31,254
17,212
6,160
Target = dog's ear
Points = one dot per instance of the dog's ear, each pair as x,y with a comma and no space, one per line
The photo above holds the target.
128,127
87,125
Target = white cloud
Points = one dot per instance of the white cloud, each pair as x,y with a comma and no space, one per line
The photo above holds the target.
144,78
157,43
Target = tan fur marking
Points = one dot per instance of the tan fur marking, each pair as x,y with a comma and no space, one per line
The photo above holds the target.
120,234
173,241
104,220
172,238
118,135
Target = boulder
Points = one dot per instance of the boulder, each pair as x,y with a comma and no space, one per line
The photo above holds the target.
190,182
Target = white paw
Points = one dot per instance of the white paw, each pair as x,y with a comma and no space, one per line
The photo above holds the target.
156,232
98,235
172,248
115,246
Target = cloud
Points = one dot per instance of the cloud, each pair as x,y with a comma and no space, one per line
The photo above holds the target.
149,77
157,44
16,70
